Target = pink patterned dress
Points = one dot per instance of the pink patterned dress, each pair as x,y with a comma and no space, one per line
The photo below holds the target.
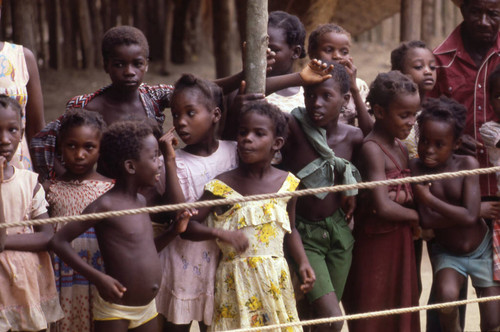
75,292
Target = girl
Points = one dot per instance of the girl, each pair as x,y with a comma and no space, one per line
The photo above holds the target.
286,39
383,273
414,59
187,287
330,42
28,300
253,286
462,246
78,142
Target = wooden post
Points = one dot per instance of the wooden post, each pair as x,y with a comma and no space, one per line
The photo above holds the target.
257,40
168,26
409,14
222,18
427,22
23,23
84,24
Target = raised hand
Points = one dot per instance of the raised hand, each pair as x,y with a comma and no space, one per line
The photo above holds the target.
315,72
182,219
167,143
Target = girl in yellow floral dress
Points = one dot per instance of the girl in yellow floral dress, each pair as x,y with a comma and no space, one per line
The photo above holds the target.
253,286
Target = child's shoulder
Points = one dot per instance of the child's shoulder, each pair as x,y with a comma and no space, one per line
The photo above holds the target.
462,162
354,134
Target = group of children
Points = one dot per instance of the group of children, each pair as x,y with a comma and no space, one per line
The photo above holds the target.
227,266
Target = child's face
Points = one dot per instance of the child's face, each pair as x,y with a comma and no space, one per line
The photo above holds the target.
399,117
126,66
495,97
257,142
193,122
80,149
332,46
436,143
285,55
324,102
420,64
147,168
10,132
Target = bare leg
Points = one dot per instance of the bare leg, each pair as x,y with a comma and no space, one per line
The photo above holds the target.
489,311
448,285
327,306
170,327
117,325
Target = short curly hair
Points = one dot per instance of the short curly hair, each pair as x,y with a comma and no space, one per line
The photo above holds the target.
122,141
398,54
444,109
294,29
8,101
387,86
320,30
123,35
210,91
80,117
262,107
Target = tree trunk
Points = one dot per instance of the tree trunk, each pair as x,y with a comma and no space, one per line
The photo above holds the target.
84,21
448,16
97,31
6,21
168,25
23,17
257,40
70,49
438,19
41,19
221,14
55,34
427,23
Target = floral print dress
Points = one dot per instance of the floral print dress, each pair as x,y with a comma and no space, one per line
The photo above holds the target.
253,288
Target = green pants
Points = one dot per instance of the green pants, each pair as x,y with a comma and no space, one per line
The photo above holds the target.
328,244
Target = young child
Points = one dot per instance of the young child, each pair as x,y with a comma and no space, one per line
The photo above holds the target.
414,59
126,292
490,133
462,245
253,285
28,300
330,42
78,142
383,272
187,288
286,39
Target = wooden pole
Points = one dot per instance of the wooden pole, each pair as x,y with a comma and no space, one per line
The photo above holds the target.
427,22
410,29
222,17
257,40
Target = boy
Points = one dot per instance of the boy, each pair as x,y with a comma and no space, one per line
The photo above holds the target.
324,147
129,154
462,245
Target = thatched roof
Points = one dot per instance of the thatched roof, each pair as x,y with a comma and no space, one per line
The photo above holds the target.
355,16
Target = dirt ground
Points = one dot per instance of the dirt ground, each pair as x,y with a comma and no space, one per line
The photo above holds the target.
59,87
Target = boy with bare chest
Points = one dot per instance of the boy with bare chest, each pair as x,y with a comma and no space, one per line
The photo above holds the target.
130,154
318,151
462,246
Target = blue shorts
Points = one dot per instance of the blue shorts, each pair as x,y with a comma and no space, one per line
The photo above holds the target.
477,264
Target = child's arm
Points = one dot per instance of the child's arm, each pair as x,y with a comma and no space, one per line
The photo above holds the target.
109,288
372,160
437,213
35,120
364,120
173,191
37,241
179,226
3,231
295,248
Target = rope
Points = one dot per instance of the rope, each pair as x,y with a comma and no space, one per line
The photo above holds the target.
370,314
232,201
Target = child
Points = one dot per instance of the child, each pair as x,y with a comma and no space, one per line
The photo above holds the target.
286,39
187,287
78,142
383,272
28,300
330,42
125,298
462,243
253,286
414,59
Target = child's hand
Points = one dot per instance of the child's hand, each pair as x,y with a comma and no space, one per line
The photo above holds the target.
237,239
243,98
182,219
428,234
351,70
422,192
348,204
270,57
490,210
167,143
308,277
315,72
110,289
469,146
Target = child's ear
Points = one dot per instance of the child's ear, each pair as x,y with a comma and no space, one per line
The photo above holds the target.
297,50
347,96
278,143
458,143
105,66
378,111
217,115
129,166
